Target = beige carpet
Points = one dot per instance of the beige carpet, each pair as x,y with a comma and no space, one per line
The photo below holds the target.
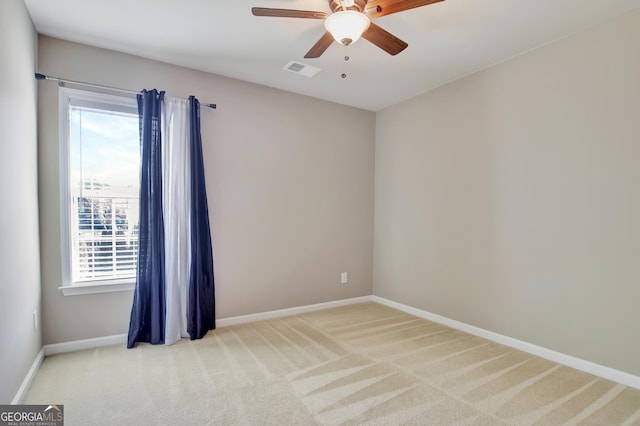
360,364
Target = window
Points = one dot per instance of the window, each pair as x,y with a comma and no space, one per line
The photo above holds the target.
100,174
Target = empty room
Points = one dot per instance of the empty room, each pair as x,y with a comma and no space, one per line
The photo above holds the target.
320,212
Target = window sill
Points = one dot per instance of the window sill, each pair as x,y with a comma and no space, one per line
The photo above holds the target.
79,289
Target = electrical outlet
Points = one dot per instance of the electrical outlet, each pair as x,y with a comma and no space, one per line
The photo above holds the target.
344,278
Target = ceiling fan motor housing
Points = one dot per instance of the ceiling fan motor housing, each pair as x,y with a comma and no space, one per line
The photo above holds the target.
358,5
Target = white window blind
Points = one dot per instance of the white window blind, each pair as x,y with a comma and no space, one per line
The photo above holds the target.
105,241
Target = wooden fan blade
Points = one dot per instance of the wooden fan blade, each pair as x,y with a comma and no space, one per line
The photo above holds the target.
323,44
287,13
384,40
378,8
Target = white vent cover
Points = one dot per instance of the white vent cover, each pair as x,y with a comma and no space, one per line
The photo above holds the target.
301,69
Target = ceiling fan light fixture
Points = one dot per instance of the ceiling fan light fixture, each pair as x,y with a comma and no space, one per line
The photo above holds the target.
347,26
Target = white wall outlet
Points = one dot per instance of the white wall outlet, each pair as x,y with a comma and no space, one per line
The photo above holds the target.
344,278
35,320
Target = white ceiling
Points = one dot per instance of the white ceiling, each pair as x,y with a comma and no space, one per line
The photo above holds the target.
447,40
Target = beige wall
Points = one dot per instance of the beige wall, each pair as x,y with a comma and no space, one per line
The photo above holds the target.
289,181
510,199
19,250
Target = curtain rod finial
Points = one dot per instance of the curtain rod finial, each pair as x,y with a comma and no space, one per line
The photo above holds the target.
40,76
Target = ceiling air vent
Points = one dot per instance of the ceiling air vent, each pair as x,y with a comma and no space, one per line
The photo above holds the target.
301,69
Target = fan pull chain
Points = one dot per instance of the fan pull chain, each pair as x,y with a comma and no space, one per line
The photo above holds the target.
344,64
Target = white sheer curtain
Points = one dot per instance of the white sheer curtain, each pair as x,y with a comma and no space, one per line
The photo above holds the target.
176,192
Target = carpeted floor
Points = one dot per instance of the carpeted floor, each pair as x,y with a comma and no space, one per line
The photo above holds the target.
359,364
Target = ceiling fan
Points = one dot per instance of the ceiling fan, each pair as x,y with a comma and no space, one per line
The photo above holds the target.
350,20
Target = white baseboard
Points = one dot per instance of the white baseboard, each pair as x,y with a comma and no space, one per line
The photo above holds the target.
31,374
78,345
243,319
564,359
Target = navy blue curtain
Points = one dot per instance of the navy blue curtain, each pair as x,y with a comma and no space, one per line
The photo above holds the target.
201,307
148,312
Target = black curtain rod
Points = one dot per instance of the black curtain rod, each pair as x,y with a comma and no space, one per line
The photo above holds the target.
61,82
